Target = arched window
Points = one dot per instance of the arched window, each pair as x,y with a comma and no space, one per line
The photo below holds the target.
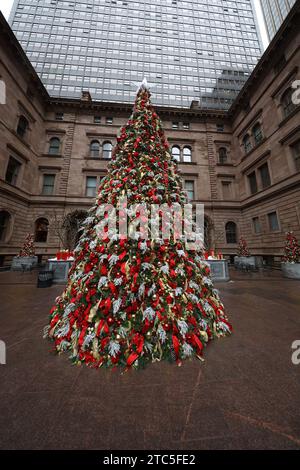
222,155
176,153
5,219
257,133
107,148
187,154
23,126
286,101
54,146
41,230
95,148
247,143
231,232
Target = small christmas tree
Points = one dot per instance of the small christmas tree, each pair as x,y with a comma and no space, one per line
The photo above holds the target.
243,248
130,301
28,247
291,249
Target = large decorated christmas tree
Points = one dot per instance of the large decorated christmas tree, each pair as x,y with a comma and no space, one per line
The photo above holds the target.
291,249
243,249
129,299
28,247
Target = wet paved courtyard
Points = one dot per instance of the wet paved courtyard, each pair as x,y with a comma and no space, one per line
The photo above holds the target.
246,395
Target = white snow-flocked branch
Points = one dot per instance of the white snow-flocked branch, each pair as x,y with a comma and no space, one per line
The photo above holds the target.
179,271
46,331
194,298
141,292
165,269
93,244
88,220
64,345
223,326
87,340
122,332
113,260
161,334
113,348
118,281
183,327
63,330
207,281
116,305
187,349
152,290
102,281
69,308
148,346
181,253
143,247
194,285
178,291
146,266
149,313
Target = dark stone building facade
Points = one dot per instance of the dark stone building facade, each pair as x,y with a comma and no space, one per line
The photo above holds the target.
243,164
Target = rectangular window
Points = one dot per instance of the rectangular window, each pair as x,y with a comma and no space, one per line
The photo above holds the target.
226,189
296,154
97,119
273,221
91,186
186,125
189,186
265,175
12,171
252,182
175,125
256,225
109,120
59,116
48,184
220,127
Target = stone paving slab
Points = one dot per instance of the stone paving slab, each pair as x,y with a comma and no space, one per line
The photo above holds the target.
246,395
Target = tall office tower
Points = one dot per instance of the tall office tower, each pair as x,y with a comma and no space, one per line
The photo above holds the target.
274,12
188,50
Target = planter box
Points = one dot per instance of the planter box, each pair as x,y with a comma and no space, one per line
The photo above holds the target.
218,269
60,270
23,263
291,270
245,260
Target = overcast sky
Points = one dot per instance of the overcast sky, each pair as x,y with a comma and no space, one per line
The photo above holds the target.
5,7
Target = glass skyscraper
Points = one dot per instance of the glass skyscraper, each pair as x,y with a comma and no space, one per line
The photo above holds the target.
200,50
274,12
